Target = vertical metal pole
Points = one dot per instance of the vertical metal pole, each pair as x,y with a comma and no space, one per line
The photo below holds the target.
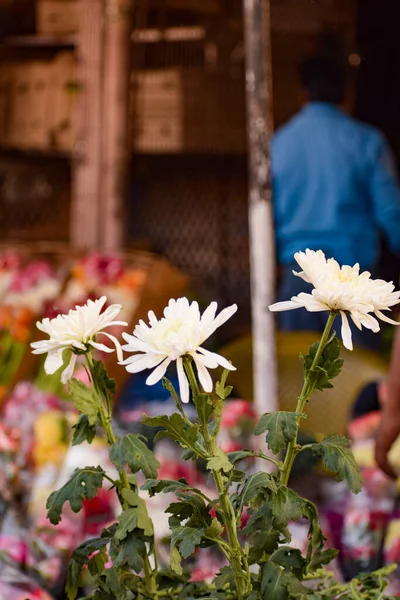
262,256
115,133
86,176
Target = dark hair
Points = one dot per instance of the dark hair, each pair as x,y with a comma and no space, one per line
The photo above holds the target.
367,401
324,78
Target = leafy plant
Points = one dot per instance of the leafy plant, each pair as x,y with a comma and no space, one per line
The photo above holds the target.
261,564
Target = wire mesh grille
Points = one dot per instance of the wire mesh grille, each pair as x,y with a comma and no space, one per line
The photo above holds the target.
188,179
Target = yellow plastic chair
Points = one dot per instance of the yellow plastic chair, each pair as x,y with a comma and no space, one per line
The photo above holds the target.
328,411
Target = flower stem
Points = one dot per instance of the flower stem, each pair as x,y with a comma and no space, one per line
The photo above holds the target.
236,556
105,418
305,394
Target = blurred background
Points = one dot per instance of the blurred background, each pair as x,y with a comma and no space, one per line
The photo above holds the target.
127,161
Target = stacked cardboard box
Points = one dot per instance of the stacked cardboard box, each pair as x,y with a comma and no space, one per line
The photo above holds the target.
57,17
176,110
36,103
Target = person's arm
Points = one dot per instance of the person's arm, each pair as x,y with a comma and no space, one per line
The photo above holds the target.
389,428
385,192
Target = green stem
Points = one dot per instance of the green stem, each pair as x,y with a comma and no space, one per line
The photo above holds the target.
105,417
237,558
305,394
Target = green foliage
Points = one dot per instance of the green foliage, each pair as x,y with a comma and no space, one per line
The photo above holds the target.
281,427
329,365
130,551
83,485
186,538
156,486
84,400
219,462
83,431
132,451
103,381
133,518
176,428
337,456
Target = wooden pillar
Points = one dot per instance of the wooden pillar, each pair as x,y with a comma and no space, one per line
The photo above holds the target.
86,175
116,148
262,255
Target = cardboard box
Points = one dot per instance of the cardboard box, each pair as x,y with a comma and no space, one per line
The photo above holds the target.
63,89
19,113
38,103
57,17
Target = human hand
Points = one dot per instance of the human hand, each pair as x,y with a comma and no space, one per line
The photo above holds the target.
388,432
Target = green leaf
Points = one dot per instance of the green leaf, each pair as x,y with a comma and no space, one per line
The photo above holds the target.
337,457
290,559
83,485
134,518
286,506
133,451
219,462
215,530
155,486
102,378
84,400
79,558
97,562
175,561
254,489
322,557
130,551
225,578
176,428
281,427
264,536
204,407
220,389
329,365
83,431
186,538
278,584
273,583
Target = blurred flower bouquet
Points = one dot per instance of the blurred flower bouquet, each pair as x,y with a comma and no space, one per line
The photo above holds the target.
261,562
102,274
26,291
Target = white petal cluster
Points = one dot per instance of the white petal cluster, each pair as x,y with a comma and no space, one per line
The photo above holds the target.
181,331
76,332
342,289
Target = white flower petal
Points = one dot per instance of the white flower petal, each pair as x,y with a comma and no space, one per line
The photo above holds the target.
69,371
54,361
205,379
145,361
385,318
183,382
286,305
346,332
116,343
220,360
158,373
101,347
223,316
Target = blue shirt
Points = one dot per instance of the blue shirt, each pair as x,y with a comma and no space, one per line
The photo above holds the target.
335,187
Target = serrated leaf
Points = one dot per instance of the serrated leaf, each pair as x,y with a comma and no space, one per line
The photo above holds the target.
175,561
290,559
204,407
79,558
286,506
102,379
281,427
322,557
155,486
215,530
134,518
131,450
254,489
130,551
97,562
329,365
225,577
337,456
264,536
174,427
272,583
84,400
83,485
186,538
83,431
220,389
219,462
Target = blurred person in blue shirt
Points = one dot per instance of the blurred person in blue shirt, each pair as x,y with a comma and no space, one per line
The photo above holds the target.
335,187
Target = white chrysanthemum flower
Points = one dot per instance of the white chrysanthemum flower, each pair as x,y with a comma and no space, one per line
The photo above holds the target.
77,331
181,331
342,289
